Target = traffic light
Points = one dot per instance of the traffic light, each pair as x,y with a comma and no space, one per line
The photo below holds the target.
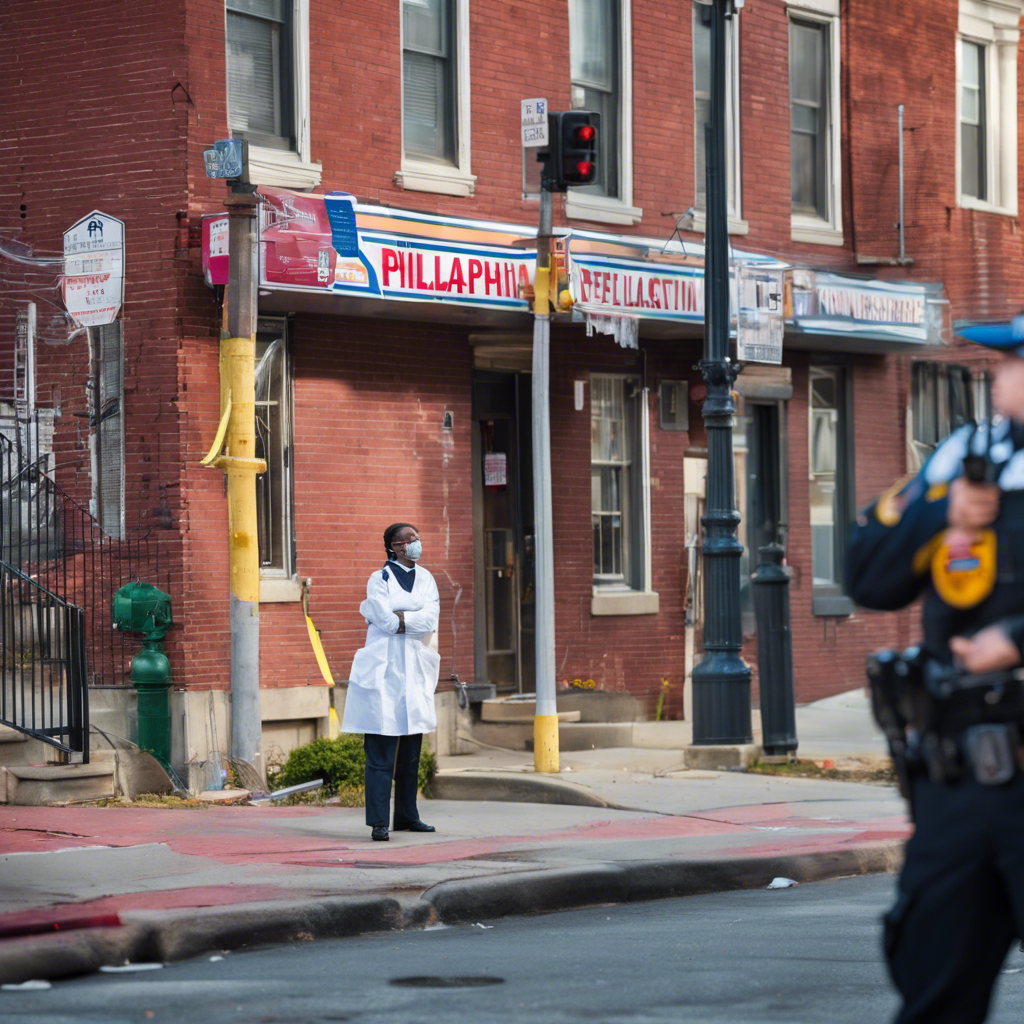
573,154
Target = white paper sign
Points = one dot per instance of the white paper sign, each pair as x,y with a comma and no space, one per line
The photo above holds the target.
94,269
535,122
495,469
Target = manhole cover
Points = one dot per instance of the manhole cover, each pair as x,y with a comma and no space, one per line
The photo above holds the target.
447,981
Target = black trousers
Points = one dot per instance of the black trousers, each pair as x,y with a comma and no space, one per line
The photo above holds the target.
388,757
960,901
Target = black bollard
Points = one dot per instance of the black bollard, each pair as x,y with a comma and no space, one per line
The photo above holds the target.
774,652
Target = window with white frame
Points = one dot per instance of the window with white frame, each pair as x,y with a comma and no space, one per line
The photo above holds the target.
831,484
814,122
702,108
435,97
986,138
274,443
267,53
600,63
620,496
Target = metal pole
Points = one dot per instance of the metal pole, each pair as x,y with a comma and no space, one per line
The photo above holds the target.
721,682
545,724
237,358
903,248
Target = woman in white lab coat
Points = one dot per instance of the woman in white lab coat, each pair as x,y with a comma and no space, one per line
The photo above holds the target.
391,687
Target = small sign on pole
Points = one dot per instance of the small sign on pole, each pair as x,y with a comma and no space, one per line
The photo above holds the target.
93,283
760,323
534,122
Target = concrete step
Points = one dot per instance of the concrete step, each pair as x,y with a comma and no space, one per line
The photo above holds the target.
588,735
20,748
577,705
33,785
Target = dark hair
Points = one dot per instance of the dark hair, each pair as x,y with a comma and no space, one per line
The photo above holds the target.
389,536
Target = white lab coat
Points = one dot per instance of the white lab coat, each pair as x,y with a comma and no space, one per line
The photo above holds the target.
394,676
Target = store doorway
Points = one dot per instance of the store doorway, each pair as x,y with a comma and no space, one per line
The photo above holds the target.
503,531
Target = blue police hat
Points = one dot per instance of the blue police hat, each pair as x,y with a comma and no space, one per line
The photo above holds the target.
1002,337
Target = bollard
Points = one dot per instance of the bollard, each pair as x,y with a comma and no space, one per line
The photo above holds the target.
770,585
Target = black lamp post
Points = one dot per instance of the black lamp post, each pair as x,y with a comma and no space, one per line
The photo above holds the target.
721,682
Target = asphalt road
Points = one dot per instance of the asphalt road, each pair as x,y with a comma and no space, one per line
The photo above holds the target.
791,956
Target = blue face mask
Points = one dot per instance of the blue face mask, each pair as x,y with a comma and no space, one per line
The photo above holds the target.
413,550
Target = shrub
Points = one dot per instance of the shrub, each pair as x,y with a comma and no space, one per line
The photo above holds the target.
341,764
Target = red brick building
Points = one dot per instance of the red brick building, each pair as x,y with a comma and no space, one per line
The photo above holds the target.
384,393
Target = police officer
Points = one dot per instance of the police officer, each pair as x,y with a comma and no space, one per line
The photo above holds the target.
954,535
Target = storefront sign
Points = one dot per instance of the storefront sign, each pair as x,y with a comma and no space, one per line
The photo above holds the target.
332,244
821,303
93,283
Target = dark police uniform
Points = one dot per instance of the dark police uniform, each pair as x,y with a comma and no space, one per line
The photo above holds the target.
961,892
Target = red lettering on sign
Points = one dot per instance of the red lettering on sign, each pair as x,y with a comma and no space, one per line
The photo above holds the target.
440,285
456,280
476,271
389,264
490,278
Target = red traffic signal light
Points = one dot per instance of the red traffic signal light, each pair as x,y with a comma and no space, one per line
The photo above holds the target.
572,160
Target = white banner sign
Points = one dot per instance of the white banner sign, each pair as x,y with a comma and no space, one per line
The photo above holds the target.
535,122
94,269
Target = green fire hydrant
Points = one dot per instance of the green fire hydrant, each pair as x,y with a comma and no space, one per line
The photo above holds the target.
143,608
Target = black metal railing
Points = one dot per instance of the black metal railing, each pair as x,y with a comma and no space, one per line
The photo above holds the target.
43,664
60,570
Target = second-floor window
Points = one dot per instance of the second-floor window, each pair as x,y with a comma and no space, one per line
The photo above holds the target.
814,122
596,80
986,121
429,97
261,104
702,105
973,148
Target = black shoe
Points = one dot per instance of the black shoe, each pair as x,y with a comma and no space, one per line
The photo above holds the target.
415,826
380,833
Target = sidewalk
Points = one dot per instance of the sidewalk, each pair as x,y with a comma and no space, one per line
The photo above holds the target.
128,883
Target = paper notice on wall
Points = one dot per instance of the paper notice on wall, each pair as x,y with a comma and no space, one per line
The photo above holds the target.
495,469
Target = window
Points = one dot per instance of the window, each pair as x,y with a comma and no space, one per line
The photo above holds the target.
757,453
942,400
267,54
429,129
106,394
986,137
814,126
601,70
435,97
273,443
620,495
831,485
973,150
702,112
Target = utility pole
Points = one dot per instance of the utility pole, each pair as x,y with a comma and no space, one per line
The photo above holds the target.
545,723
721,682
238,434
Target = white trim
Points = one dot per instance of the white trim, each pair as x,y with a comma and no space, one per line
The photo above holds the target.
828,7
618,209
737,226
995,25
426,176
606,601
804,228
601,209
282,169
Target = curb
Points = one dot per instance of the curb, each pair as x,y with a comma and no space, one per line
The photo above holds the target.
525,892
178,935
517,787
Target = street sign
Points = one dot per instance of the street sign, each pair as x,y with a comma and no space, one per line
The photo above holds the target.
760,323
93,283
227,159
534,119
